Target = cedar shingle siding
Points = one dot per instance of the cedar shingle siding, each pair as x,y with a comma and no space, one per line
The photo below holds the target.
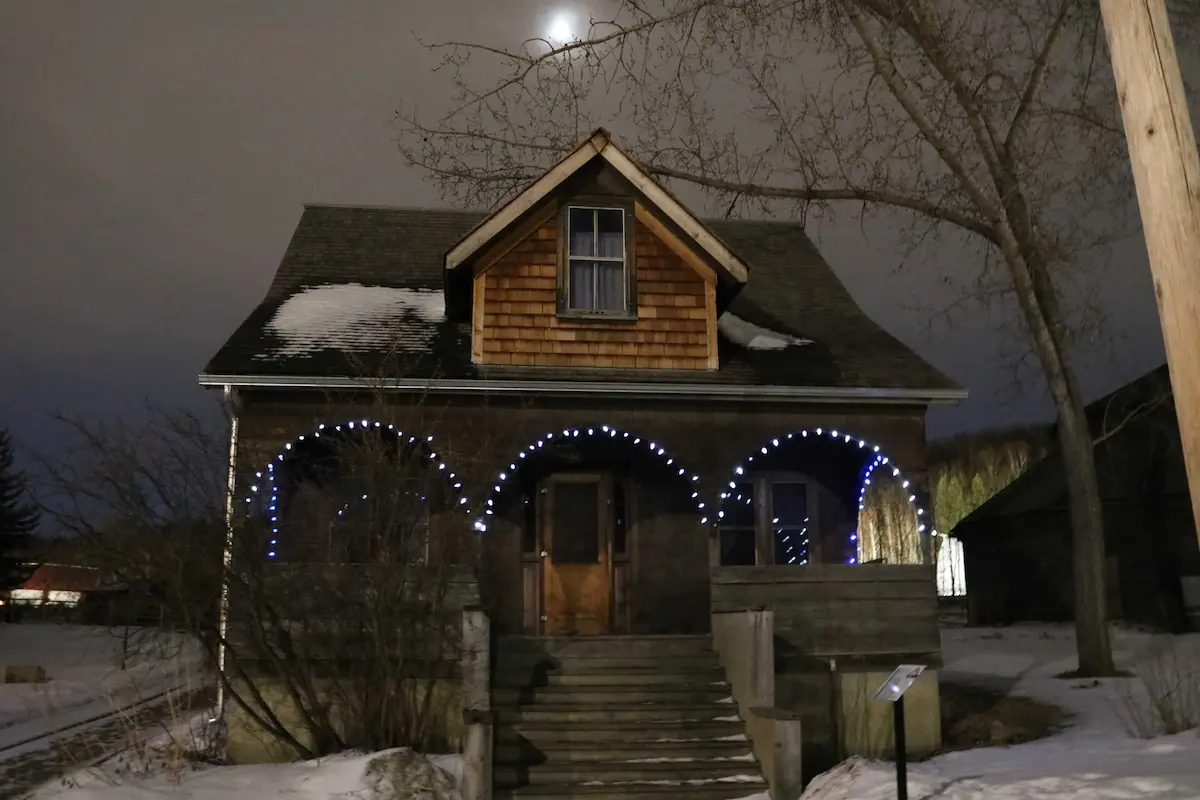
521,326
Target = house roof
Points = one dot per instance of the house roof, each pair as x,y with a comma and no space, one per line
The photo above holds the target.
1120,420
599,145
359,289
63,578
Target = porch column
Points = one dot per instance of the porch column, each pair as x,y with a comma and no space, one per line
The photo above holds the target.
477,705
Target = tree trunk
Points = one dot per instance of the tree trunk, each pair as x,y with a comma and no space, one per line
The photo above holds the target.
1087,536
1039,306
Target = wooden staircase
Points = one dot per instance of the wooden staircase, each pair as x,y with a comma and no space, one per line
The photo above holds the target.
617,718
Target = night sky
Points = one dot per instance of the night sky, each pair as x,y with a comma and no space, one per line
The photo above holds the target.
154,158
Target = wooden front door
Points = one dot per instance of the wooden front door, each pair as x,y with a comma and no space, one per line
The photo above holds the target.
576,555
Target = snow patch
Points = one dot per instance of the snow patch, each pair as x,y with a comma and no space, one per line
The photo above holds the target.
349,776
1093,758
356,318
756,337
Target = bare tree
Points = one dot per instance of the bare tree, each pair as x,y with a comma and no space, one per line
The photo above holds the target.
991,122
348,564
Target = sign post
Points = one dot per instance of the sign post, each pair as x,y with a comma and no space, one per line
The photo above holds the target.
892,691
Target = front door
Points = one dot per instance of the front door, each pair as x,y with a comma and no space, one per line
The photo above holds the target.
576,555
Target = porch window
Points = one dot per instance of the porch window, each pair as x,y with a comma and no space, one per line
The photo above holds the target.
597,277
739,527
768,519
789,522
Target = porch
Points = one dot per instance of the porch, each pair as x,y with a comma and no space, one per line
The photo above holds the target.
596,531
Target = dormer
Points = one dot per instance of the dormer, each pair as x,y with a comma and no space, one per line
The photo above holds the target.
594,265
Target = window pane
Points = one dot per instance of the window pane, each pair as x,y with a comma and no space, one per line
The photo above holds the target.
789,522
576,535
610,286
791,546
610,224
581,227
789,504
737,547
582,285
739,507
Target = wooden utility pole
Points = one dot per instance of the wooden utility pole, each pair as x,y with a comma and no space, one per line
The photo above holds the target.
1166,173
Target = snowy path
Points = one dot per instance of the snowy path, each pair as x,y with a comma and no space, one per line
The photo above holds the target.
54,756
86,680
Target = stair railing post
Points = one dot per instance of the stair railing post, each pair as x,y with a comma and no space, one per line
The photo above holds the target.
477,705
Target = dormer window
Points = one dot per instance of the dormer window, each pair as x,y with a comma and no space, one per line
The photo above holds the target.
597,272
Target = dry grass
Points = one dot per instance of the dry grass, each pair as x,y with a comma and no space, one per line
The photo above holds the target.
975,717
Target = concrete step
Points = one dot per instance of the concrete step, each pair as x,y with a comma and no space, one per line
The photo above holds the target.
724,790
577,674
592,713
603,646
620,772
680,694
543,733
617,718
524,751
520,668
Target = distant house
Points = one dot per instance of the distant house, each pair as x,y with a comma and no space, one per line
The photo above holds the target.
1017,546
57,585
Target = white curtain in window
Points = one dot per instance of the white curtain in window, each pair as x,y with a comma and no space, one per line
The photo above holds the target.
583,284
611,244
597,285
610,285
582,240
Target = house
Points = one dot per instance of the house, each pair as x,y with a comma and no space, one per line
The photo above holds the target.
57,585
656,427
1150,538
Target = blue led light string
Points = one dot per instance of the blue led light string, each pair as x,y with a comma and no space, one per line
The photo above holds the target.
272,487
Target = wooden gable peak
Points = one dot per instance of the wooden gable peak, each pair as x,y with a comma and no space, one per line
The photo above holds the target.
599,144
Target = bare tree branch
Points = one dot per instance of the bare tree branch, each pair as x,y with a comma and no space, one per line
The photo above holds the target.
887,104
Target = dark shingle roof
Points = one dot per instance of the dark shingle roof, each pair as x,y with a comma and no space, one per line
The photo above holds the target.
791,289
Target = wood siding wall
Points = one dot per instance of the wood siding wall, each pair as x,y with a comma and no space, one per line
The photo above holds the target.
517,323
321,606
479,438
837,611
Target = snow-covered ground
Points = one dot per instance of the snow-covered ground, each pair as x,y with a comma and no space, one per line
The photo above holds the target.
85,679
1095,758
343,777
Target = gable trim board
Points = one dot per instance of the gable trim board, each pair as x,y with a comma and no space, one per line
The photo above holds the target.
827,394
599,144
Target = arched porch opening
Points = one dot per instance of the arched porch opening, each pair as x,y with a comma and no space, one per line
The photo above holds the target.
579,528
803,498
359,492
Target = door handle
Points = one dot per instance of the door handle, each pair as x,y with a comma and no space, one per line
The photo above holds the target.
545,554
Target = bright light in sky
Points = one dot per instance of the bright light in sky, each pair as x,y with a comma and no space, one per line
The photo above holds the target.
560,30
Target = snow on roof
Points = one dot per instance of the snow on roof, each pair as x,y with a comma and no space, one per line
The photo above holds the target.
356,318
756,337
